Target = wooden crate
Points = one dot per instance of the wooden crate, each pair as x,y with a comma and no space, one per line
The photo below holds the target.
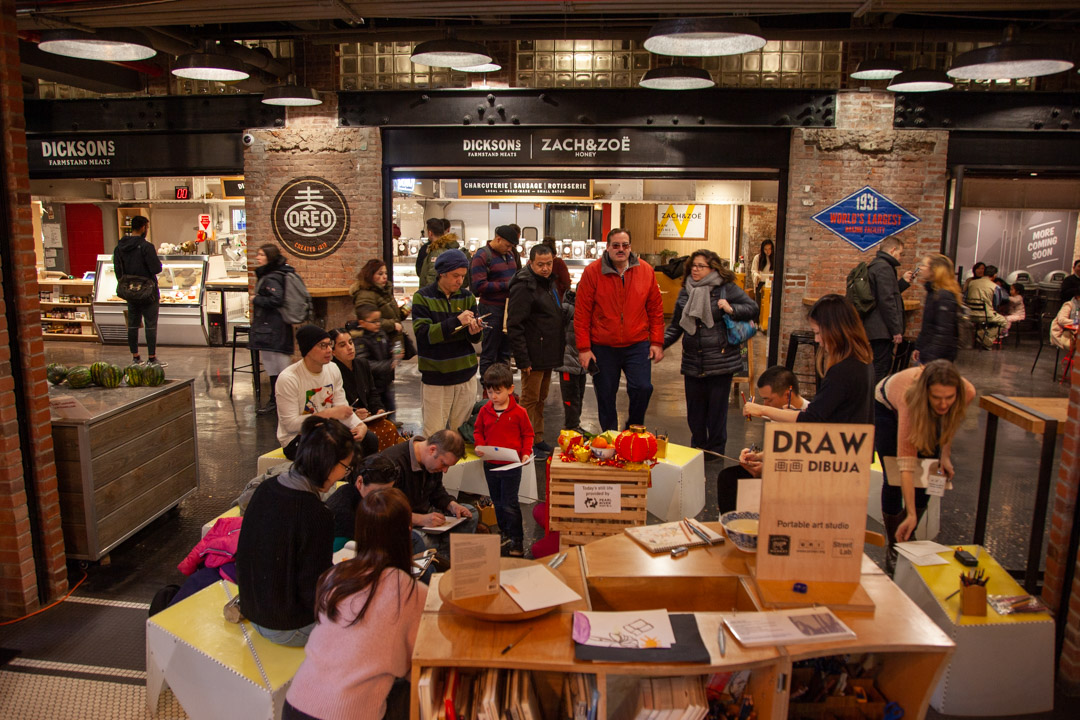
579,529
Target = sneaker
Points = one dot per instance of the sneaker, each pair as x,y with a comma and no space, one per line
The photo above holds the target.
505,541
542,448
516,549
159,363
270,408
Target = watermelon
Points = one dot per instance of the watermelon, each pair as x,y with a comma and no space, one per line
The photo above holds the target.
56,373
111,376
153,374
79,377
96,370
134,372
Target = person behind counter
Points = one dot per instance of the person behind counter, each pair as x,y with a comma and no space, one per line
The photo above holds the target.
358,384
372,287
288,535
359,656
844,359
916,415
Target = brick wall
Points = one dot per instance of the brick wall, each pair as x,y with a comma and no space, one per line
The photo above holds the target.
907,166
351,159
18,582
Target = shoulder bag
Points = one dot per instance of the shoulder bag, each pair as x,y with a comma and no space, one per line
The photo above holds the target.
738,331
133,288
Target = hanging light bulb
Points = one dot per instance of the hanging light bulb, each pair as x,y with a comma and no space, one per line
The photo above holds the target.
450,53
210,65
1009,61
676,77
109,44
920,80
704,37
877,69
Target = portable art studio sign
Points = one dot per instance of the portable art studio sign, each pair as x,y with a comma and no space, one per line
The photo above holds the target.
310,217
813,502
865,218
685,222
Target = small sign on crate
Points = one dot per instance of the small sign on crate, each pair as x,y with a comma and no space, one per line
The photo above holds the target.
597,498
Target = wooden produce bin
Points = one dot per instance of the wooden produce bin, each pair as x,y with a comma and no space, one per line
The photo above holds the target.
580,528
132,460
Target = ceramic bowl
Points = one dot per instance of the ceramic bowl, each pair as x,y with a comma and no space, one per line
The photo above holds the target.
602,453
745,541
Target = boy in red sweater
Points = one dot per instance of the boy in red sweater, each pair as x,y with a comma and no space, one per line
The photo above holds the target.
502,422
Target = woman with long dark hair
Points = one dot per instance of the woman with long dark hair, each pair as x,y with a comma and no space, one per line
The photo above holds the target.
288,536
938,337
270,334
845,361
709,361
916,415
761,268
369,611
372,287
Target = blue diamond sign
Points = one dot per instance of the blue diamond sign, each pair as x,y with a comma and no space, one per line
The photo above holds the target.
865,218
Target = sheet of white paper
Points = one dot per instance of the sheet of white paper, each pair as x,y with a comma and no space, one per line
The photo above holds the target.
493,453
749,497
475,563
924,560
922,547
450,522
634,629
786,627
536,587
378,416
51,237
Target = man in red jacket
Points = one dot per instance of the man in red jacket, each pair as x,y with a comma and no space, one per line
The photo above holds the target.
619,327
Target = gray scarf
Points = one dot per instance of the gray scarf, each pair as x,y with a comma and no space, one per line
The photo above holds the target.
295,481
699,302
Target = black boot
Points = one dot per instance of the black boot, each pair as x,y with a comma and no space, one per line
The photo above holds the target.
270,407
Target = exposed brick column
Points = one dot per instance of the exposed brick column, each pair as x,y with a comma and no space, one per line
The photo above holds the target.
1063,509
18,582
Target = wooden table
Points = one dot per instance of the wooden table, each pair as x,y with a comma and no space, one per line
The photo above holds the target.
1042,416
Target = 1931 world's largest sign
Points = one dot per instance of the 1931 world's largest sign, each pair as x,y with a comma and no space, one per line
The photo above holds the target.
310,217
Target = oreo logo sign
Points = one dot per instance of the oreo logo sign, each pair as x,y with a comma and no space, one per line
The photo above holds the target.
310,217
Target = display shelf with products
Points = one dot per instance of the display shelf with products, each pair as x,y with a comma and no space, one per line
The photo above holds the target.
124,217
66,310
181,284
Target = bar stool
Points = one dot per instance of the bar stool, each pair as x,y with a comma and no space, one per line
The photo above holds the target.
252,367
797,339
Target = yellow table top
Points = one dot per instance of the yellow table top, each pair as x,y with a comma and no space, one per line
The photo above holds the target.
199,622
942,580
679,454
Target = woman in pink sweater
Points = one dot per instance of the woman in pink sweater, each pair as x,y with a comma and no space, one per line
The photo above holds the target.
369,610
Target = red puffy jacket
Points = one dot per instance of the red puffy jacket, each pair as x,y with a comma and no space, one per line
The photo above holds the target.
217,548
618,311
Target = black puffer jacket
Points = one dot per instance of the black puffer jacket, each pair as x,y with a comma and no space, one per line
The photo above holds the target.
938,338
269,331
137,256
535,321
887,317
707,351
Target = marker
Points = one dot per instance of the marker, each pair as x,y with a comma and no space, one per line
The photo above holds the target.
510,647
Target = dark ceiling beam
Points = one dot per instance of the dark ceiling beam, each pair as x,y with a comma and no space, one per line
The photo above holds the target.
87,74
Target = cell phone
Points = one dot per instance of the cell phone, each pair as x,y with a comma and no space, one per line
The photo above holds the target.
593,368
916,273
965,558
679,551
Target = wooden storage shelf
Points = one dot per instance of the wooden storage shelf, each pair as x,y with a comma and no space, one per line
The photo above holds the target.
64,304
75,288
580,528
66,320
70,336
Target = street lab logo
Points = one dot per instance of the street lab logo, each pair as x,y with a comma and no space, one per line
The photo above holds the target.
779,544
78,153
310,217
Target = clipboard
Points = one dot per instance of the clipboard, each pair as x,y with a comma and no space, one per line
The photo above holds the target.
921,476
378,416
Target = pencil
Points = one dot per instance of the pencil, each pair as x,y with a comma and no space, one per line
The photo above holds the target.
682,526
459,327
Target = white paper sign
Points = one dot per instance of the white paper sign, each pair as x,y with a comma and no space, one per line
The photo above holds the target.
67,407
51,237
596,498
474,560
685,222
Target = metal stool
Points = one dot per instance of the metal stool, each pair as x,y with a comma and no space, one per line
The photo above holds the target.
795,340
252,367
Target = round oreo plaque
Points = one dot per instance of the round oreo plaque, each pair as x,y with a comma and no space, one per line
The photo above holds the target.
310,217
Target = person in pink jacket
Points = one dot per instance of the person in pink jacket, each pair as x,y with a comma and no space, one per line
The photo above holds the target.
211,559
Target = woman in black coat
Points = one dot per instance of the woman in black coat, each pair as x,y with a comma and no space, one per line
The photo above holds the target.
938,338
270,334
358,384
708,361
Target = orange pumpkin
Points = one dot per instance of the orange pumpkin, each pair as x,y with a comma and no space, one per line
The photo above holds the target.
636,444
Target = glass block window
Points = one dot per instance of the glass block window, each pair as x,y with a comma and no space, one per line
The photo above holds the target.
387,66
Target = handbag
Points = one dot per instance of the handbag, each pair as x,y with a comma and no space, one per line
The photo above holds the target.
134,288
738,331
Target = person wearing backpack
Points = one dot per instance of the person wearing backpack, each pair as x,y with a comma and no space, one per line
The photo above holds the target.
884,323
135,255
438,245
271,335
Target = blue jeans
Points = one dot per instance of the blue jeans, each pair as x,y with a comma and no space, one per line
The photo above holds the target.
441,541
495,347
612,363
503,488
288,638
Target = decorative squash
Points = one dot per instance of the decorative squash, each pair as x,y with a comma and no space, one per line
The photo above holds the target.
110,376
55,372
153,374
79,377
96,369
636,444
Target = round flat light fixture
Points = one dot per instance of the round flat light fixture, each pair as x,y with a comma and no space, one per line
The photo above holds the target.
291,96
877,69
485,68
109,44
704,37
920,80
1008,61
450,53
210,66
677,77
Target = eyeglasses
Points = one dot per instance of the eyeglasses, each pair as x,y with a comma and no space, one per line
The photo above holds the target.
699,266
349,469
325,345
619,246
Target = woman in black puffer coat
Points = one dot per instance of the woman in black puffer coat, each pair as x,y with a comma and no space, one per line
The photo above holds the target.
938,338
270,334
708,361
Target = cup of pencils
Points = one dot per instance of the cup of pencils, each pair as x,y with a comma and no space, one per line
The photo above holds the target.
973,593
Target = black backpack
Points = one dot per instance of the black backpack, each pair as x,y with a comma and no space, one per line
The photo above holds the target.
860,290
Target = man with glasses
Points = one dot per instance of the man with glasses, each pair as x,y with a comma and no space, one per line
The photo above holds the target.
619,328
312,386
535,324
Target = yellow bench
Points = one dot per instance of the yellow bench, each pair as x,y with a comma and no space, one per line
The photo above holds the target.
214,671
272,459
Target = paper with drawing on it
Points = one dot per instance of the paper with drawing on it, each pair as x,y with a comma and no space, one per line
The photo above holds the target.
787,627
634,629
474,562
536,587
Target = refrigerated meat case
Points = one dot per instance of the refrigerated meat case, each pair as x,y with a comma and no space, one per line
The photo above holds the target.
181,318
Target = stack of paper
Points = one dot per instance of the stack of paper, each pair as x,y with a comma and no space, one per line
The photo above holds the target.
535,587
923,552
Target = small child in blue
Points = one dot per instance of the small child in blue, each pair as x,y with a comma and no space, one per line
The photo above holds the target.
503,423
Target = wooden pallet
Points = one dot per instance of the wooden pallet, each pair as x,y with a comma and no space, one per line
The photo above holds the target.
579,529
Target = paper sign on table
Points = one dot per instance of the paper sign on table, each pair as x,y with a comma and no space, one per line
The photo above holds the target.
475,563
597,498
68,408
635,629
493,453
787,627
536,587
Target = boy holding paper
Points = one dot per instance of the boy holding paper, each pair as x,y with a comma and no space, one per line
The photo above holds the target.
503,423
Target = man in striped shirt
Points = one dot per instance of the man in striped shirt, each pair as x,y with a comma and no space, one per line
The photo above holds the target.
491,270
446,328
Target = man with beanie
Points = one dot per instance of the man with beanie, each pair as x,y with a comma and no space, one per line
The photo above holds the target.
446,326
312,386
493,267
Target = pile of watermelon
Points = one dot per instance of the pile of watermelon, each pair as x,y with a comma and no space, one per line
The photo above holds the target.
150,374
106,374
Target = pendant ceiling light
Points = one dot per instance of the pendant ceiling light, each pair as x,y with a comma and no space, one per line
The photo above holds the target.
877,69
208,65
704,37
1008,61
450,53
677,77
485,68
291,95
920,80
109,44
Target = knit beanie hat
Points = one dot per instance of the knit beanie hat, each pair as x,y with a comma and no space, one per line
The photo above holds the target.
309,336
507,233
450,259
